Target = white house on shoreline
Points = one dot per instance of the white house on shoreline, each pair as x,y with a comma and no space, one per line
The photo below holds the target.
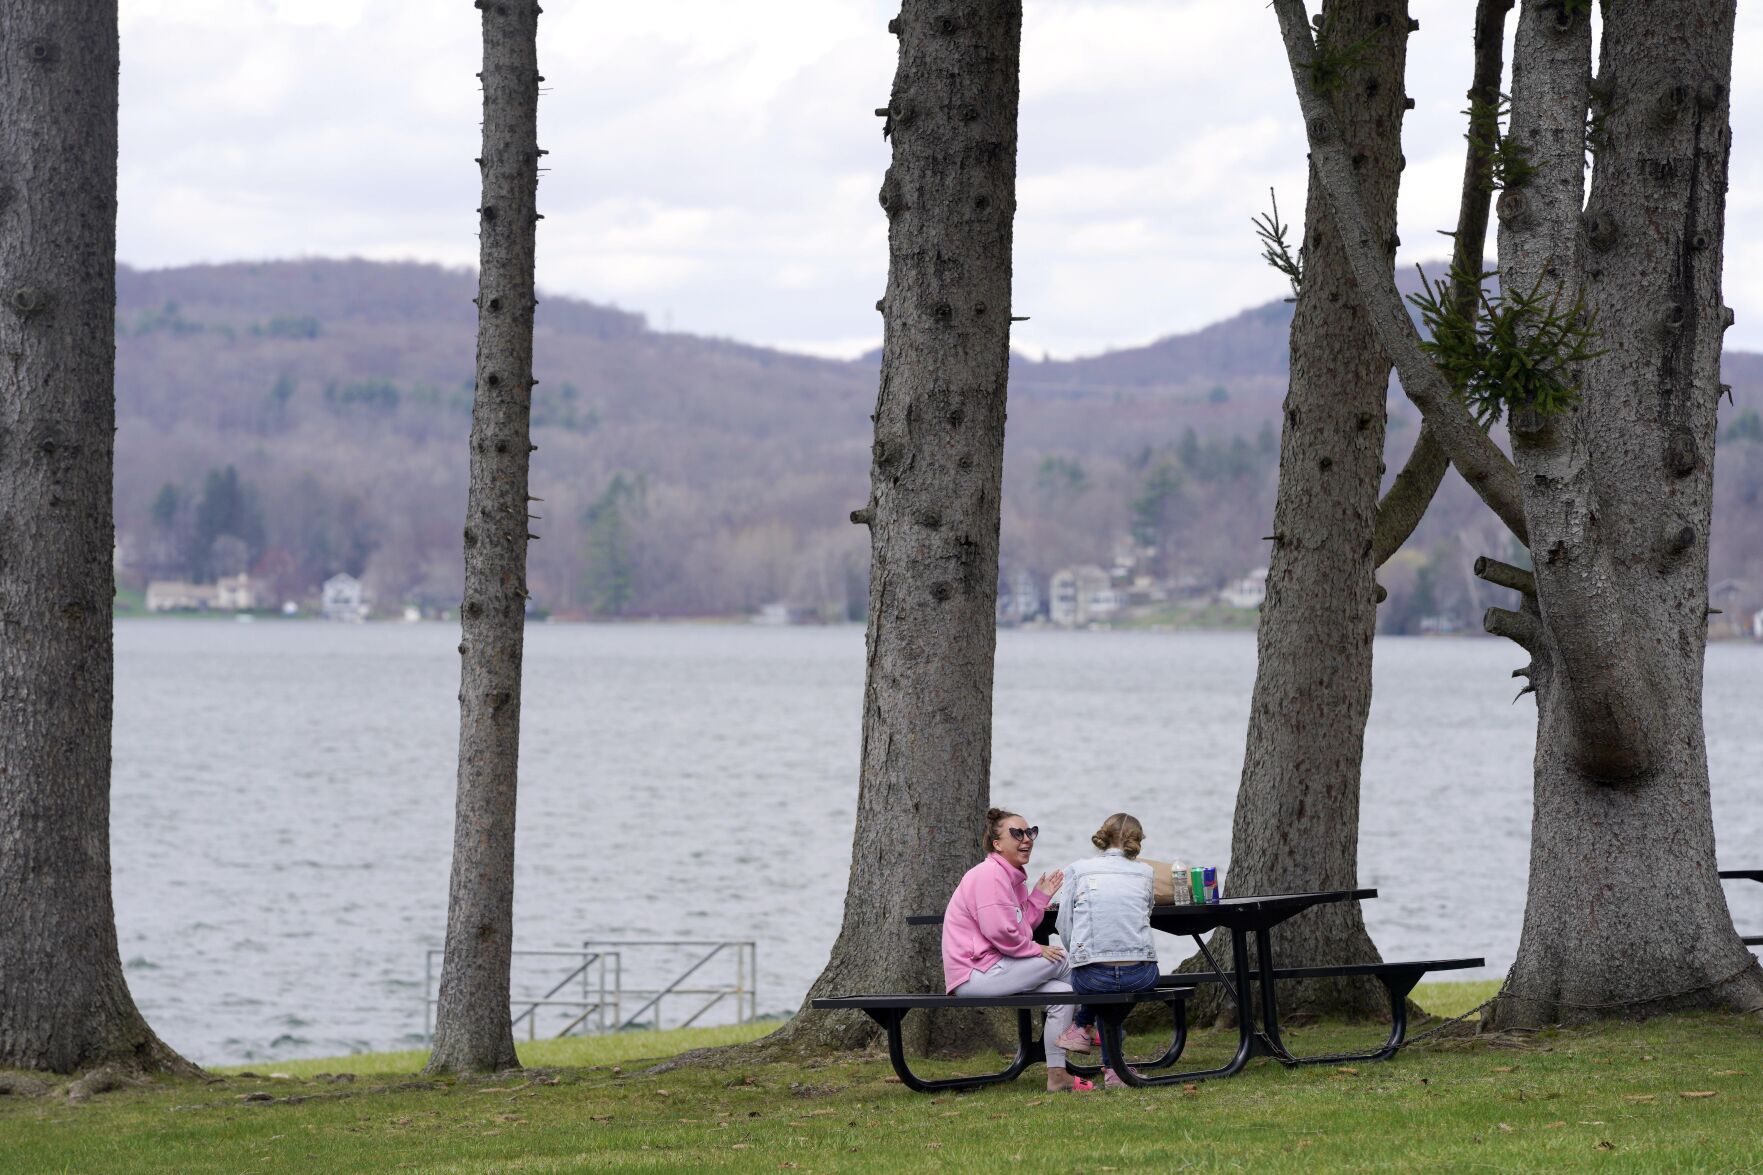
344,599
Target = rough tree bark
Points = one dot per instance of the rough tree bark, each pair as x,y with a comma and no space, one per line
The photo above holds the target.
1619,493
1297,809
950,197
1297,815
471,1020
64,1004
1616,493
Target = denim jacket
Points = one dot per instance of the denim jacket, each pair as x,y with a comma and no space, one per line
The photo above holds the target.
1105,911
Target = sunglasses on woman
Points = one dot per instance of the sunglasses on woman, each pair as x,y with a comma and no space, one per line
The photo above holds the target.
1020,834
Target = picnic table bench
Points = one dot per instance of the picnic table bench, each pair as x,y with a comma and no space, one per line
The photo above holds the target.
1110,1007
1256,916
1750,940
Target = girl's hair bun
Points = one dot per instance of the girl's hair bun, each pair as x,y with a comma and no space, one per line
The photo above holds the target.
1120,831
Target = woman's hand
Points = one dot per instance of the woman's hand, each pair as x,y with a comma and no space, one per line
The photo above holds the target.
1050,882
1052,953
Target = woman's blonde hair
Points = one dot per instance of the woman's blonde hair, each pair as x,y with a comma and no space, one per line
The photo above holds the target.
1120,831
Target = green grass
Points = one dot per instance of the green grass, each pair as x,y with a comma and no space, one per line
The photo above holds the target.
571,1052
1602,1098
1454,999
1211,617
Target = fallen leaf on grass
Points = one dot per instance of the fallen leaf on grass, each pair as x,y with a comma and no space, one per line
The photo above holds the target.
933,1146
1190,1087
1729,1072
1639,1097
1646,1056
503,1088
1604,1144
1696,1093
1505,1068
1039,1101
617,1070
1348,1070
788,1166
891,1080
602,1117
1504,1128
1588,1122
741,1146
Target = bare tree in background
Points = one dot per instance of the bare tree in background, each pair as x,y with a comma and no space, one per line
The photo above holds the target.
472,1030
935,484
1607,369
1297,812
64,1004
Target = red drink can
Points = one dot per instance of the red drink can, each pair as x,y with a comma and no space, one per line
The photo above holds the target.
1211,883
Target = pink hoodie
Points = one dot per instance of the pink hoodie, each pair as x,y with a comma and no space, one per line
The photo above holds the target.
992,914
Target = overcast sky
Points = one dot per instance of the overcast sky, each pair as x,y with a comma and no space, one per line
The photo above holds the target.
714,163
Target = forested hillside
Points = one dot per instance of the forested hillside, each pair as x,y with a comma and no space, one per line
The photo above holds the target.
682,475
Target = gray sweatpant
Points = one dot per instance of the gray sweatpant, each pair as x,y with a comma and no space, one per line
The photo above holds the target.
1035,973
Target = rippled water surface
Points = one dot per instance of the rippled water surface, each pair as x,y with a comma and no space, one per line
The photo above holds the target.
283,798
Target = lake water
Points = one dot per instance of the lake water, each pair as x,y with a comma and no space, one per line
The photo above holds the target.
282,806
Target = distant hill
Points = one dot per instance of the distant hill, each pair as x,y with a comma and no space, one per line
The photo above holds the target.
679,475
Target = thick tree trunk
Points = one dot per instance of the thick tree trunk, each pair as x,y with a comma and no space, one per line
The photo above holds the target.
950,197
471,1021
1625,912
1297,811
64,1004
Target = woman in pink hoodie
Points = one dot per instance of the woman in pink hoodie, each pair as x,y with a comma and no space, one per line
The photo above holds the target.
989,945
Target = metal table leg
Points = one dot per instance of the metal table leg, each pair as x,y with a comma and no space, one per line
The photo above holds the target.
1271,1044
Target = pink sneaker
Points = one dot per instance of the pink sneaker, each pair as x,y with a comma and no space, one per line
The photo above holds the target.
1074,1040
1111,1079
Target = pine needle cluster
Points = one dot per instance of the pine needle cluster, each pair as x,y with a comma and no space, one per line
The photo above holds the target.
1520,350
1275,249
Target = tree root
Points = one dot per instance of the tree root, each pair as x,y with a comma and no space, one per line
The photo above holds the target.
101,1080
21,1085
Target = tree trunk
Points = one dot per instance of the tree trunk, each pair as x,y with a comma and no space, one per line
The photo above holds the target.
936,475
64,1004
471,1021
1297,812
1625,912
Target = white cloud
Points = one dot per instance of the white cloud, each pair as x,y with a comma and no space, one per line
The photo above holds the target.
716,163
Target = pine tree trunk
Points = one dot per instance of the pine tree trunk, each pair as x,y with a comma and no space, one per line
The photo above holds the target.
1625,912
1297,811
64,1004
950,197
471,1022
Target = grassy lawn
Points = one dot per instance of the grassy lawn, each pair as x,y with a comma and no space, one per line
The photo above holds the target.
1606,1098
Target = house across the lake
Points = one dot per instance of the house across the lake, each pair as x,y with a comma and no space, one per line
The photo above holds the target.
174,595
344,599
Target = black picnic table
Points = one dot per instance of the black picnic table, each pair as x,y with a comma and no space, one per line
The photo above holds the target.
1251,915
1750,940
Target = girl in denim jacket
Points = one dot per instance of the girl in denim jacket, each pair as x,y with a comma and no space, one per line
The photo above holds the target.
1105,924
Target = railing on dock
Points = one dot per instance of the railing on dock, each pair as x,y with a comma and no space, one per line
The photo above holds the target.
590,985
